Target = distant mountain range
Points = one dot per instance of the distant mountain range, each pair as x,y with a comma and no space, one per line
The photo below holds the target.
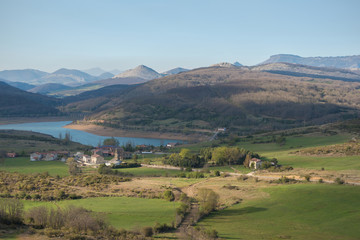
270,96
334,62
95,78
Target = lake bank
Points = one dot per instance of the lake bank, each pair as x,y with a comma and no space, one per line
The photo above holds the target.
58,130
106,131
19,120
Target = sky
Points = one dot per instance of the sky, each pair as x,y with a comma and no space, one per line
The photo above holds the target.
164,34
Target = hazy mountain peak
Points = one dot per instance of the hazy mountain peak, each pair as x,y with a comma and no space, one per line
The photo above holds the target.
334,62
96,71
140,71
223,64
175,71
237,64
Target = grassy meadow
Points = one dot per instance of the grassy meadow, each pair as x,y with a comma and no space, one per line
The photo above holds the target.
24,165
123,212
150,172
286,157
297,211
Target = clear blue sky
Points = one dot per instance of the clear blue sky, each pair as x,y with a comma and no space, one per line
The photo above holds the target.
164,34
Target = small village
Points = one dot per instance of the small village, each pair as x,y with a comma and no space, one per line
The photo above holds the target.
107,154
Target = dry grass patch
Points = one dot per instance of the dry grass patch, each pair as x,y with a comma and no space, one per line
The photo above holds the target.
230,189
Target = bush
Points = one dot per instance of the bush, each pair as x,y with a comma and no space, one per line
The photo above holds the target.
339,181
160,228
217,173
11,211
321,180
147,231
307,178
208,200
169,195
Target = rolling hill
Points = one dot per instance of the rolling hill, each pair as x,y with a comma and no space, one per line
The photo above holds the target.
70,77
334,62
20,85
49,88
16,102
25,75
244,99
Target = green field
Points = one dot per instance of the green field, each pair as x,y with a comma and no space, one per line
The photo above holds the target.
123,212
298,211
149,172
285,156
239,168
23,165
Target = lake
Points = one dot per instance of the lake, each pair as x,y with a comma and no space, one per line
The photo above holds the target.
56,129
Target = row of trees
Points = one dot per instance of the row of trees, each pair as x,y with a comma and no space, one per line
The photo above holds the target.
217,156
185,159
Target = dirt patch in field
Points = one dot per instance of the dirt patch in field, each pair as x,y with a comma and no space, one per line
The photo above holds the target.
230,189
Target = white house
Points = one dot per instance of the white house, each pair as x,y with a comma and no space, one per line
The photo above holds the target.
50,156
86,159
35,156
255,163
97,159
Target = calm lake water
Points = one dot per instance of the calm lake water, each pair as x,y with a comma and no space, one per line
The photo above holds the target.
56,128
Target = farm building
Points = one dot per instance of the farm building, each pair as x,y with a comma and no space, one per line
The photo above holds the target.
255,163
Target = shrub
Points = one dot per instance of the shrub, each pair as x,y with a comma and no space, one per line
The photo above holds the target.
339,181
11,211
217,173
307,178
321,180
147,231
169,195
208,200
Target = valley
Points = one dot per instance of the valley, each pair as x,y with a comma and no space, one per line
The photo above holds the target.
285,153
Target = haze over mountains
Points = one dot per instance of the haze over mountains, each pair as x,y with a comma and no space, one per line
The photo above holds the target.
335,62
273,96
70,82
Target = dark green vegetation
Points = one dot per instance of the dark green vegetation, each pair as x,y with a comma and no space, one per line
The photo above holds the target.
240,98
296,211
26,142
16,102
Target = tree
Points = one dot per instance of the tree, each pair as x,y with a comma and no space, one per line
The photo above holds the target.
111,141
73,168
184,153
67,138
2,157
208,200
247,160
11,211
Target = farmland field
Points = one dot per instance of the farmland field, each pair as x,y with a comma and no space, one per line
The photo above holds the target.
149,172
24,165
298,211
123,212
293,143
